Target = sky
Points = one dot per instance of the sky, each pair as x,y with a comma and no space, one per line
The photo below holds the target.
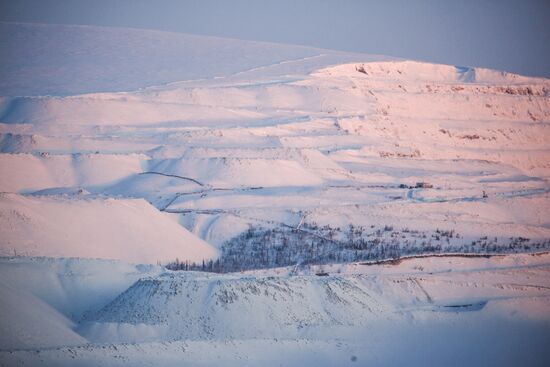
510,35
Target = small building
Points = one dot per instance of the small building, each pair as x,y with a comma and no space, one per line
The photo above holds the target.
424,185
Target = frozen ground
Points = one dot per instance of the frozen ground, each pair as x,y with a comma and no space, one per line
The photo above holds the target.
135,146
438,310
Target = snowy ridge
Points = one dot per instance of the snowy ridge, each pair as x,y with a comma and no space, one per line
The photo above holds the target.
98,59
196,305
189,306
293,135
293,168
341,310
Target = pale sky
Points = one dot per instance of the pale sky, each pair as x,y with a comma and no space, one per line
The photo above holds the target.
511,35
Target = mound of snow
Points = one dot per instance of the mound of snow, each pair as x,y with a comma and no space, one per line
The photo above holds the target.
27,172
427,72
194,305
41,299
129,230
183,305
72,286
27,322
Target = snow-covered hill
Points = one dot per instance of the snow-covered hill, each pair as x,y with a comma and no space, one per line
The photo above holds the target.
106,228
27,321
371,312
43,299
289,166
189,305
227,135
94,59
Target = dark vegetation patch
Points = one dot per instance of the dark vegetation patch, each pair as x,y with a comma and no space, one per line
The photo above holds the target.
311,244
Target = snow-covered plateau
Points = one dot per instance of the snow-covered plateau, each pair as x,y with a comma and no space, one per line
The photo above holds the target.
171,199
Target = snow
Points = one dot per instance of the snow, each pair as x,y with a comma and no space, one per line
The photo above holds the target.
93,59
308,136
27,172
234,172
126,146
27,322
418,346
187,305
386,313
43,299
95,227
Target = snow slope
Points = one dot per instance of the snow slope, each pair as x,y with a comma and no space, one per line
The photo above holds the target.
480,310
191,306
188,305
72,286
225,135
28,172
149,146
93,59
28,322
43,299
129,230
